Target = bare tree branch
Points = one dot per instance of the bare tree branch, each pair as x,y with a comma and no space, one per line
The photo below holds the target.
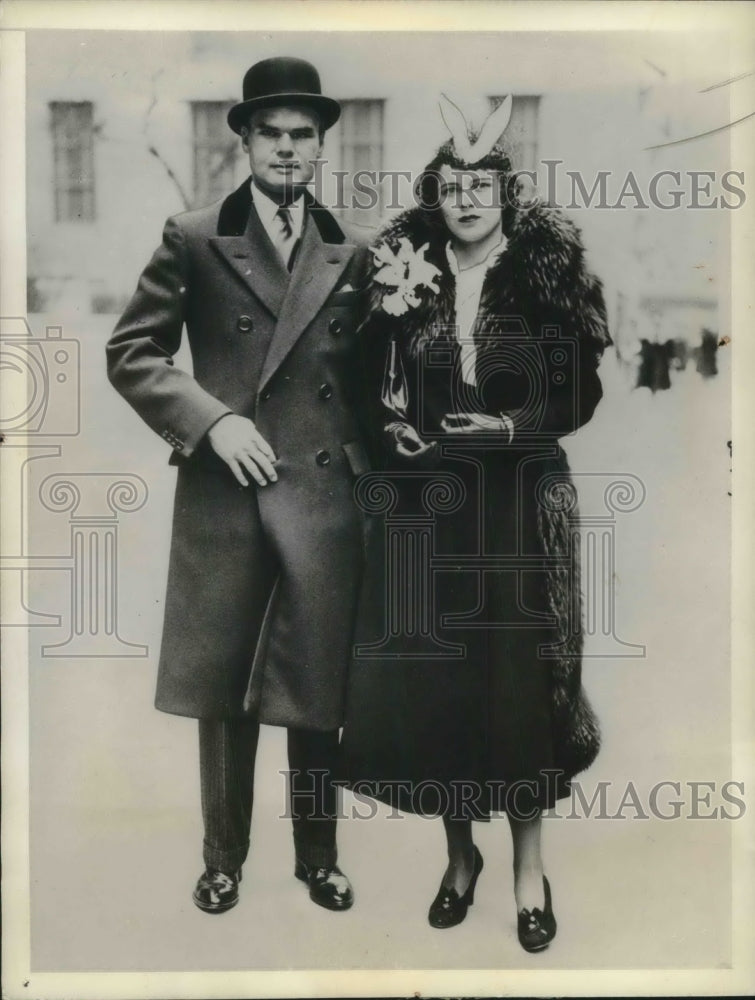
179,187
153,151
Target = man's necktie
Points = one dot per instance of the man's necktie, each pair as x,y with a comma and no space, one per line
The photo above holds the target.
284,214
284,242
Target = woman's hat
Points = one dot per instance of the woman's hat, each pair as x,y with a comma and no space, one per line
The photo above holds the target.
283,80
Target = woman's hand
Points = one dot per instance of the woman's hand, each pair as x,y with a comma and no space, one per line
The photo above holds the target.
407,443
476,423
241,446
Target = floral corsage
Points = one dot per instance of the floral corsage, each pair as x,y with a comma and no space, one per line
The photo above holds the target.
403,271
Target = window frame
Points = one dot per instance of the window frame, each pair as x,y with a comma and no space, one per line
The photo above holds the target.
209,184
353,146
74,190
524,137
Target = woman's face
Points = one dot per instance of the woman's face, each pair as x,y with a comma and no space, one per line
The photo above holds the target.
470,203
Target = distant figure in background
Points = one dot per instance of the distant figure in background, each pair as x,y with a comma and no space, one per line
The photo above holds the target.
679,354
705,355
655,361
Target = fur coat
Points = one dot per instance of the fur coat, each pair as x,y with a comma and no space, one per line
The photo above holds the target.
539,334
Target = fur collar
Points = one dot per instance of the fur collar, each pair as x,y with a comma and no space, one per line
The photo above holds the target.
541,277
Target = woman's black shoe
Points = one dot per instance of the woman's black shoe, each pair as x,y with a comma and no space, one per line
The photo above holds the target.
537,927
449,908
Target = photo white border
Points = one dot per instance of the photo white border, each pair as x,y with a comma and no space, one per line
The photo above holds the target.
17,16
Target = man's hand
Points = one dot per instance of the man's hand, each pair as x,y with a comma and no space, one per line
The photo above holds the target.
241,446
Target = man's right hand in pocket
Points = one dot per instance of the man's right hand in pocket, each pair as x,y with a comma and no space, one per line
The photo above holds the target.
237,441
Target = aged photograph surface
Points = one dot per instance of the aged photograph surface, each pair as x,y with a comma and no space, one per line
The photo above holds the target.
369,441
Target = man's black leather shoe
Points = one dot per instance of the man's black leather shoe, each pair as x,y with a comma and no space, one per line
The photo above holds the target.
328,887
216,892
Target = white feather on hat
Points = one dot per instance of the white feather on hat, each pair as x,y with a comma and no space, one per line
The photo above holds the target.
492,129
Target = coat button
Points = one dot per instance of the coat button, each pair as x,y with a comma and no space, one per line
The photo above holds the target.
265,395
245,324
322,457
334,326
325,391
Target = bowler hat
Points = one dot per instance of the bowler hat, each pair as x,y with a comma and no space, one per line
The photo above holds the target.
283,80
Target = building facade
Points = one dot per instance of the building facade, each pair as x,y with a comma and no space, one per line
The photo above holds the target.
127,128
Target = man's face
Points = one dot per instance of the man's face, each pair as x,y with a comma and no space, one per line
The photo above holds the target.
282,144
470,204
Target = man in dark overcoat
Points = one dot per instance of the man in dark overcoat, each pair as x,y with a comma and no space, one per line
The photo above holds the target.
267,543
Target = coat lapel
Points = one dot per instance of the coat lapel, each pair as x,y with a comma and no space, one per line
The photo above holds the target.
318,267
246,248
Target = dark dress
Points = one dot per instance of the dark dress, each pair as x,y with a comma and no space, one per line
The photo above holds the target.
450,703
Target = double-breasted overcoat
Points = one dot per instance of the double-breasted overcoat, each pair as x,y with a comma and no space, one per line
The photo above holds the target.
262,581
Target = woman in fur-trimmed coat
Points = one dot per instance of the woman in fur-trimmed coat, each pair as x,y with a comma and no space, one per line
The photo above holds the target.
483,337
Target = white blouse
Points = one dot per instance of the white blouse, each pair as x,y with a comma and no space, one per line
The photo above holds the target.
469,283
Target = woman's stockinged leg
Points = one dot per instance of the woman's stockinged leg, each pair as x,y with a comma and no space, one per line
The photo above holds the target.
461,857
528,862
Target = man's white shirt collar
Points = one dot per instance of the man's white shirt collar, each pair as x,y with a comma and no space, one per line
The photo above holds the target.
267,210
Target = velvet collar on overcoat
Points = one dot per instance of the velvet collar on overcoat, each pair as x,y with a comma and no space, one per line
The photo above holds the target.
234,215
